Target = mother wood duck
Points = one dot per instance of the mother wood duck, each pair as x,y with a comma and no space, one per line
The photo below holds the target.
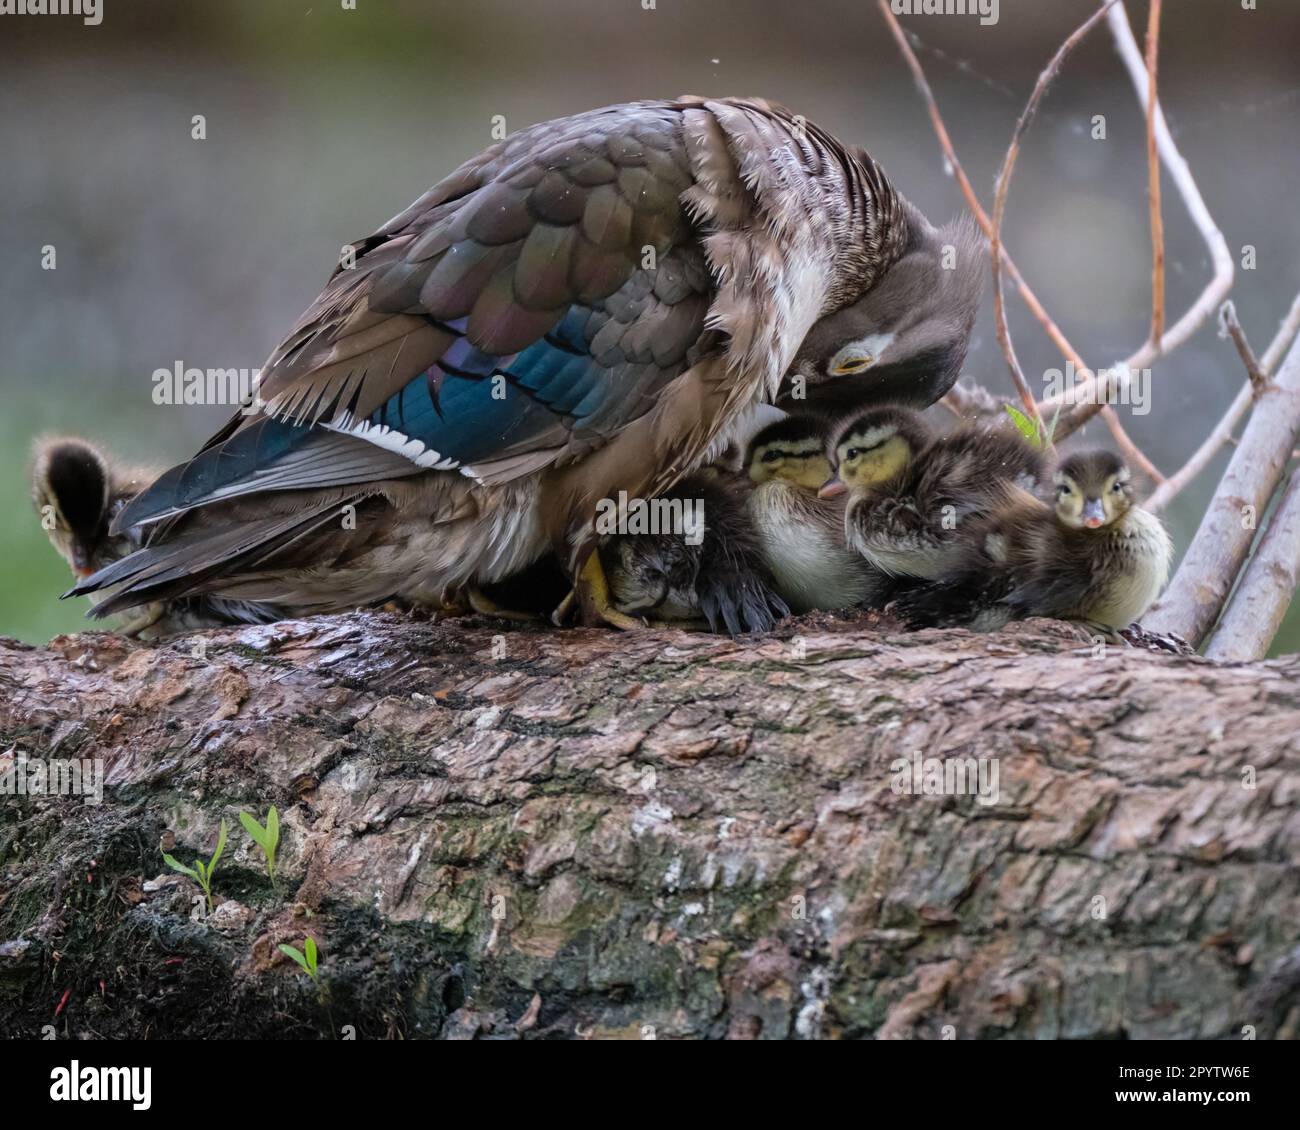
596,304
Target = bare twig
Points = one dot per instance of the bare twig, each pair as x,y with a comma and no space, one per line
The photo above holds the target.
1230,327
1092,398
1153,183
1053,331
1222,432
968,192
1193,601
1000,204
1260,601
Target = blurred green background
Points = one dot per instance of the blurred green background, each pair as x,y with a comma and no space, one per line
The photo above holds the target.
322,122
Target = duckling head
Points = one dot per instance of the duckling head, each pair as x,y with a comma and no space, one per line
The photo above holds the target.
1093,490
792,450
874,449
648,573
70,490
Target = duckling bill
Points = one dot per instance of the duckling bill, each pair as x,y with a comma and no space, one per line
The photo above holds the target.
1094,556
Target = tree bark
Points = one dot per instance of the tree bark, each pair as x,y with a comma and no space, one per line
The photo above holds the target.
505,833
1268,583
1199,590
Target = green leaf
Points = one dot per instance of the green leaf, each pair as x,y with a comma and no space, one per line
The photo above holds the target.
296,955
203,872
254,829
272,831
310,947
175,865
1024,424
221,846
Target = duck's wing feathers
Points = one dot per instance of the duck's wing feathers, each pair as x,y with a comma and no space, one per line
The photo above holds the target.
517,315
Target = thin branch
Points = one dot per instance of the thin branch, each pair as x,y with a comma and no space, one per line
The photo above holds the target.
1230,327
968,192
1199,590
1222,432
1153,182
1216,289
1131,451
1260,601
1000,204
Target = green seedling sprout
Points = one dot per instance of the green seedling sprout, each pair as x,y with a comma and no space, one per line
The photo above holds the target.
267,838
306,959
202,873
1033,430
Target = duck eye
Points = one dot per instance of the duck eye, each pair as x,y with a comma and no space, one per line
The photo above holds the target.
771,456
1118,488
852,365
852,453
1062,490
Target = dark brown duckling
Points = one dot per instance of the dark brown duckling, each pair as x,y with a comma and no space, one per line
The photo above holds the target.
710,570
912,494
1094,556
77,491
801,536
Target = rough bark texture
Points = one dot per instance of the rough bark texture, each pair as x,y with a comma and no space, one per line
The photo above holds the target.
1266,589
1199,590
504,833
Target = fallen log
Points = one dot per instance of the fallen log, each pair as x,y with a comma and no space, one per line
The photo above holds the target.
506,833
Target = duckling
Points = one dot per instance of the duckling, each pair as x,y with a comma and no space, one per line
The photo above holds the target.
801,536
912,493
1094,556
708,573
77,491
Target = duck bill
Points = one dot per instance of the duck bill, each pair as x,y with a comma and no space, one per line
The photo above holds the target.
832,488
1093,515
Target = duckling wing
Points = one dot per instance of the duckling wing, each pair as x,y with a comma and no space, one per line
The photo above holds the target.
1058,592
971,468
898,537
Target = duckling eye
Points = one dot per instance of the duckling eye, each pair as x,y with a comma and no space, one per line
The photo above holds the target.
852,453
1062,490
1117,488
852,365
771,456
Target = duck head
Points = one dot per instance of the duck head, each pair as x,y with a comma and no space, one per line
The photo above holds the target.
904,340
71,487
1094,489
874,449
792,450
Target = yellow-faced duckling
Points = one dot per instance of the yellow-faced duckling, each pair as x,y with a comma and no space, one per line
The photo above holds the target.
912,494
77,491
801,536
699,562
1094,556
